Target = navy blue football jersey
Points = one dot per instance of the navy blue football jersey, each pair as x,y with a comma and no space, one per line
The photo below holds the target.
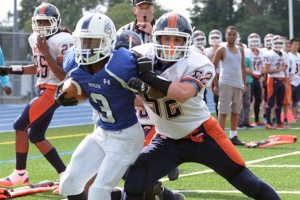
106,90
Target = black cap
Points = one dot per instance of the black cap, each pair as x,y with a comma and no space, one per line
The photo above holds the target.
138,2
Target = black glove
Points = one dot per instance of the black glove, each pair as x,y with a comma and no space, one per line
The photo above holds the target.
60,97
144,65
138,85
148,75
4,71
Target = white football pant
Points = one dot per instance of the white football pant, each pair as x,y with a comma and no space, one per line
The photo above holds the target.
105,153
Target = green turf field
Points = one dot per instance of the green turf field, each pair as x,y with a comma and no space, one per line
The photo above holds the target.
279,165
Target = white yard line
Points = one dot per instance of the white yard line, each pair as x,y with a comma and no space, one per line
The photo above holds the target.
229,191
248,163
274,166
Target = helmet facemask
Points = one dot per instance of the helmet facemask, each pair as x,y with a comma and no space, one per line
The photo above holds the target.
278,43
95,38
199,39
268,40
169,52
254,41
91,49
44,31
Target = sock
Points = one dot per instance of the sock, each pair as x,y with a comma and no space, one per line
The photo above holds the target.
232,133
21,159
54,159
118,194
278,115
81,196
22,171
268,115
167,194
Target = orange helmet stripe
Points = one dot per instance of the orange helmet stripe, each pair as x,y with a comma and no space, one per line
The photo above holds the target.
42,10
172,21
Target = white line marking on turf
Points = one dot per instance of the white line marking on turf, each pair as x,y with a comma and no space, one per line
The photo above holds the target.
229,191
272,157
274,166
247,163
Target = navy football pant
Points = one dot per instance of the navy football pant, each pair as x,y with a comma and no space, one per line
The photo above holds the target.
216,152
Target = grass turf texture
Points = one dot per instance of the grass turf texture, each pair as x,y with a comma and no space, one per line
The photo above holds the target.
282,173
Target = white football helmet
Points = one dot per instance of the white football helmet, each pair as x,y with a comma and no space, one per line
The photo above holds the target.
199,39
172,24
215,37
238,38
49,13
278,43
268,40
95,38
254,41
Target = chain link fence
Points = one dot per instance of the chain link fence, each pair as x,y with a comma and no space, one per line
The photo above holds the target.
17,51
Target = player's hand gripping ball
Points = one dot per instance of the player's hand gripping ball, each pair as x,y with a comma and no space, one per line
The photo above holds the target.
69,93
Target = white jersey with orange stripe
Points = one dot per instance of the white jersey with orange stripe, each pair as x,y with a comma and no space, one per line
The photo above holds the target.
58,44
175,119
256,57
275,61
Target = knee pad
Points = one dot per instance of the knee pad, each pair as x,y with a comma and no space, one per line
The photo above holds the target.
36,137
70,186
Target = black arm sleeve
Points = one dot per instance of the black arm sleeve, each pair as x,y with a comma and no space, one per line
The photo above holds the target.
157,82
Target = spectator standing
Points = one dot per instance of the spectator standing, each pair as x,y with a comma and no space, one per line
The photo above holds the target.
214,39
231,84
245,112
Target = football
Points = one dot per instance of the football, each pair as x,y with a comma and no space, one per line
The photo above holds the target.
73,90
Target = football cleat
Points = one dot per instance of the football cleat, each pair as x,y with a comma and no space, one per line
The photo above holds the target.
236,141
15,178
282,126
155,193
178,196
270,127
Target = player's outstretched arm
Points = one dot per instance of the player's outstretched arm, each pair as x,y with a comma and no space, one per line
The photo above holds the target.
148,76
13,69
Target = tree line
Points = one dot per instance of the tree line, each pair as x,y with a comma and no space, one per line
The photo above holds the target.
261,16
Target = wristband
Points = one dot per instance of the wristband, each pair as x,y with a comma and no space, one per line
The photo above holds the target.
16,69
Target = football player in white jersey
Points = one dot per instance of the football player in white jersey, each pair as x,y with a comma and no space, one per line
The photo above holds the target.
214,39
49,42
267,47
186,132
294,58
199,40
287,101
255,54
275,62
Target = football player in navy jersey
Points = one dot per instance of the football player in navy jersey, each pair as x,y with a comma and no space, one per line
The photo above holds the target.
102,73
186,132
